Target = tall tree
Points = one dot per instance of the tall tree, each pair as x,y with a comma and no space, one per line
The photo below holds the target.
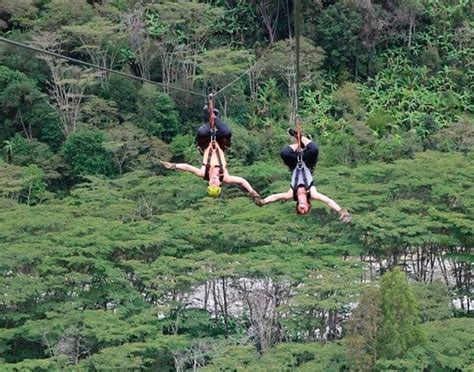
270,12
181,30
364,327
100,40
400,329
140,42
68,83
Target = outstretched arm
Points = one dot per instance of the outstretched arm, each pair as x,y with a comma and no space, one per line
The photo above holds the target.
183,167
323,198
242,182
275,197
343,213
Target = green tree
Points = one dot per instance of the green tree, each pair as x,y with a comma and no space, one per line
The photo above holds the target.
126,142
17,14
400,330
339,26
219,67
86,153
122,91
156,113
34,185
57,13
433,299
68,83
24,108
449,345
99,39
363,329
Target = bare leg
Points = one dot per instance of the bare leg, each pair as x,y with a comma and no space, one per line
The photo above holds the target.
305,140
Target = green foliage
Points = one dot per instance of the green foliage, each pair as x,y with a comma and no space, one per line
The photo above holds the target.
285,356
10,181
86,153
221,66
132,254
458,136
347,101
33,184
156,113
126,143
269,101
17,14
99,39
22,104
59,13
123,92
399,330
239,22
322,298
449,344
183,149
408,92
381,122
434,301
246,146
144,272
338,28
99,112
364,326
279,61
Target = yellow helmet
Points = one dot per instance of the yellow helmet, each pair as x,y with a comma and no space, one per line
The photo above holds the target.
213,191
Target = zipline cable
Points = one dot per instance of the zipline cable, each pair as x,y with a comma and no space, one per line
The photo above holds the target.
297,10
74,60
242,74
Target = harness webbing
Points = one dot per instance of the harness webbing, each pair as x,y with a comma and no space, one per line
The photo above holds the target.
213,148
213,145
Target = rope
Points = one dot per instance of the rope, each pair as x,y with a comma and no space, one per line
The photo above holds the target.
291,87
299,149
297,36
74,60
297,20
210,108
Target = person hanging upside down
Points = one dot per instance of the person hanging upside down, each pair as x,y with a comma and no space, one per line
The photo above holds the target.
303,190
212,144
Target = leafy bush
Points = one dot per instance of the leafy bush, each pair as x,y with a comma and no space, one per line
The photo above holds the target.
156,113
85,153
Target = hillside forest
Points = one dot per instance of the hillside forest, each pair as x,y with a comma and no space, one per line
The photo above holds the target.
110,261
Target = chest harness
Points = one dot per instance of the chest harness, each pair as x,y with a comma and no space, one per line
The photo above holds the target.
301,176
213,156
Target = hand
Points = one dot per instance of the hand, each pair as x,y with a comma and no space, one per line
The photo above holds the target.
215,111
345,216
167,164
255,196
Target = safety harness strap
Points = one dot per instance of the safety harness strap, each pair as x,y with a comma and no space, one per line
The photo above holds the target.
213,149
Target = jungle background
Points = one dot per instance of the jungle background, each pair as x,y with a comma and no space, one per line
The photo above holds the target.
110,262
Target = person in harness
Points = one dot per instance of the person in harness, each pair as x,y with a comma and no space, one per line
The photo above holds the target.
301,158
213,142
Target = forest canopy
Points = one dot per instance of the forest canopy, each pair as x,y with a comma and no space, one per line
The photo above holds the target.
110,261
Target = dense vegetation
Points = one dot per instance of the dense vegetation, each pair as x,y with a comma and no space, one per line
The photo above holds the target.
107,261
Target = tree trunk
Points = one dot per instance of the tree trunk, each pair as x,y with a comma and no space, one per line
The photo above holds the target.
224,295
